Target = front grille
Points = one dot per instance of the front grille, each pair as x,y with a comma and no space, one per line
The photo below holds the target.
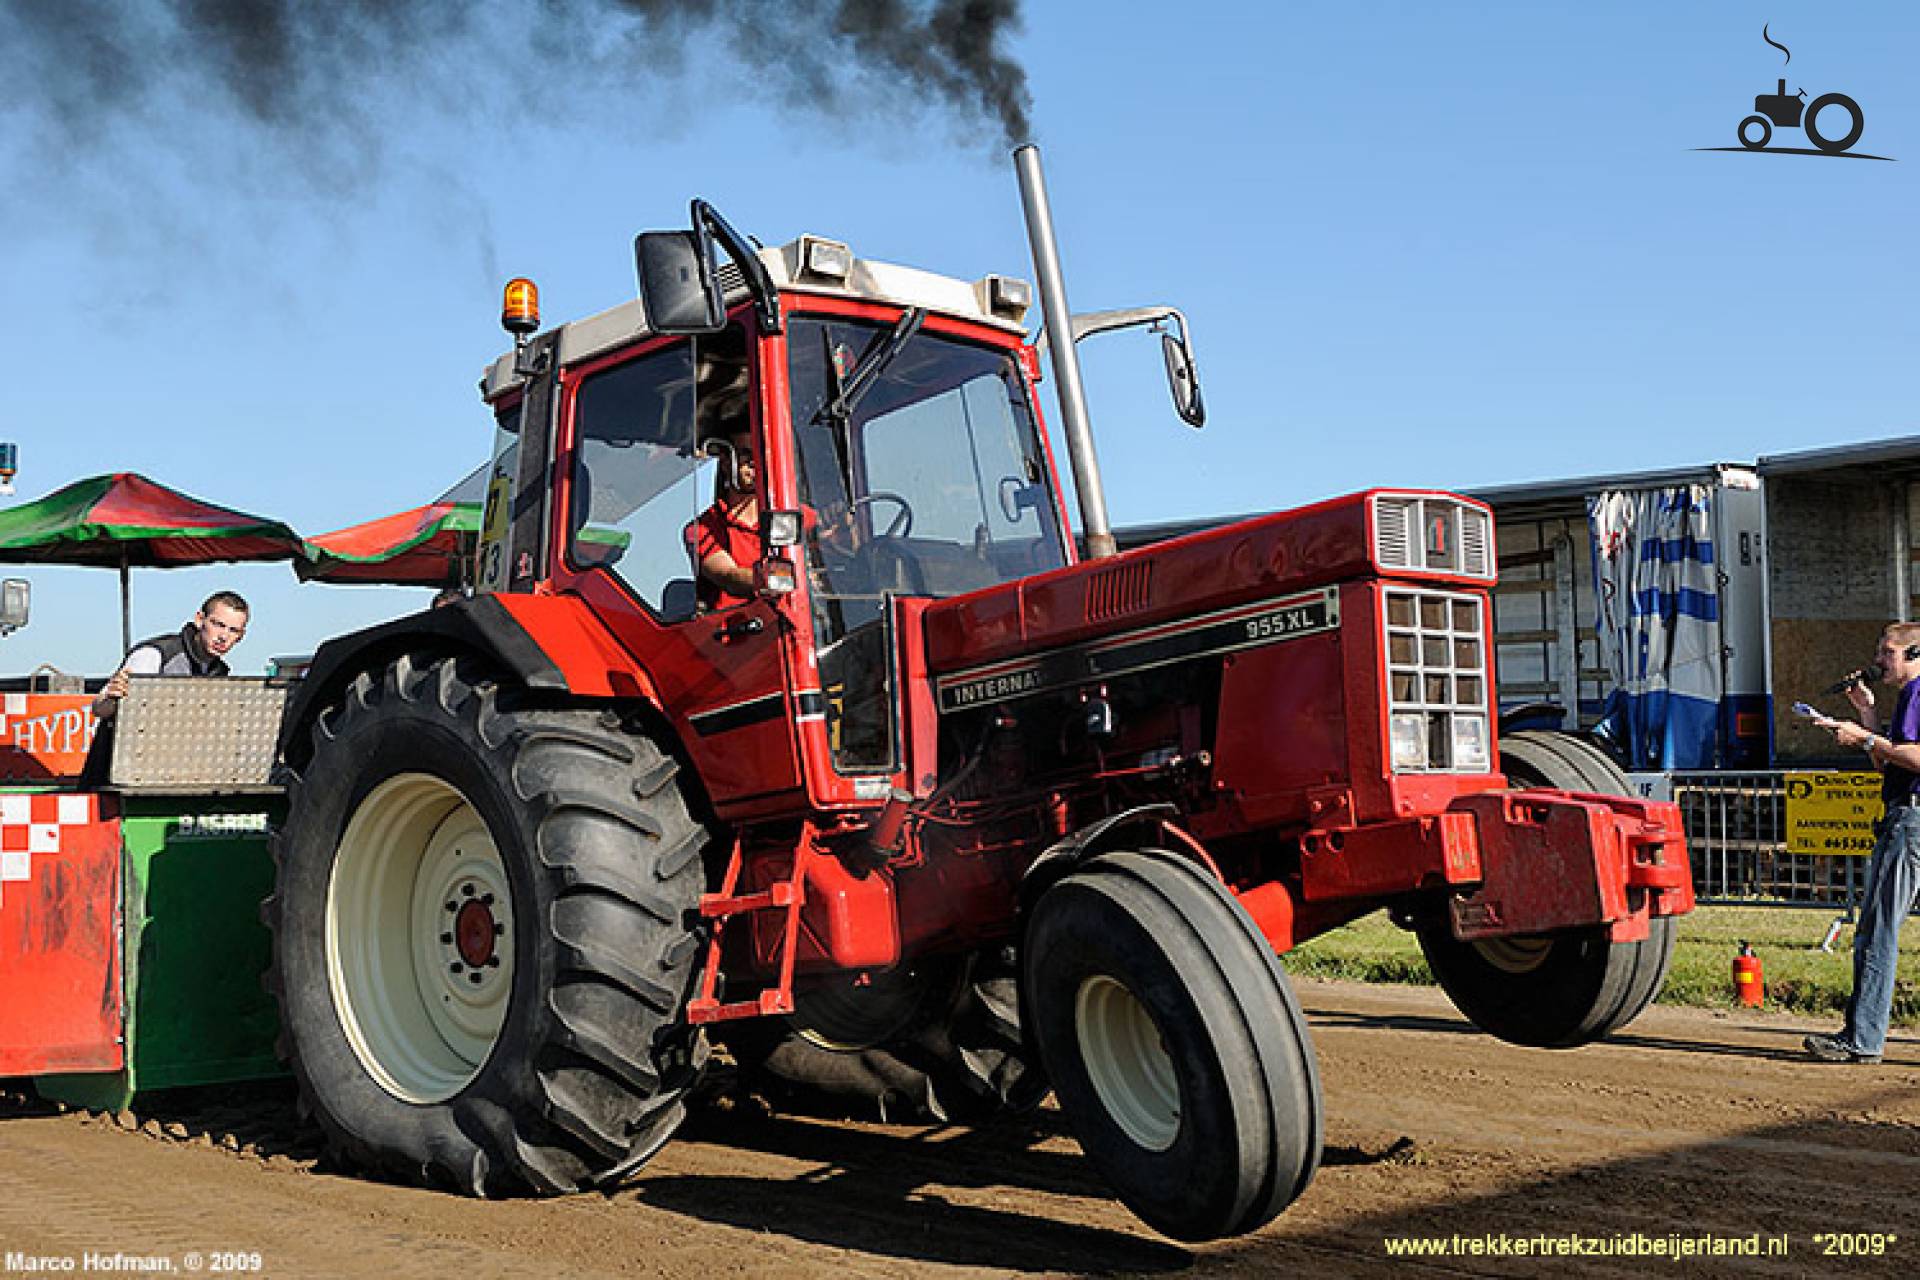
1437,687
1433,534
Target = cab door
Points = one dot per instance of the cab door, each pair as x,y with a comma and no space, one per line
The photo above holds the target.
634,428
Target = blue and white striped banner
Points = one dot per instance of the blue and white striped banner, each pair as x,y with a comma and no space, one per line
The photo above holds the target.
1657,596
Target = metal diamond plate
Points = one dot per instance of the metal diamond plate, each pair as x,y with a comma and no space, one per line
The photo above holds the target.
182,734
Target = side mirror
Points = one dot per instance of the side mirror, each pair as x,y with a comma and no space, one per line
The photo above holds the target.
680,279
1182,381
1177,347
678,284
16,599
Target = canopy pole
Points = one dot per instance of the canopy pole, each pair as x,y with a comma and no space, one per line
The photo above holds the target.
126,608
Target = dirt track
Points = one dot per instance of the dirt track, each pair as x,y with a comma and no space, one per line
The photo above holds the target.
1690,1123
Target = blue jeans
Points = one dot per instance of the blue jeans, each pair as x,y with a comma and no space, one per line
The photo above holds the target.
1893,878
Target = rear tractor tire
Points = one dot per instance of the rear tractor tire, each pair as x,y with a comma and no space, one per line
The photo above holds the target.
483,936
1174,1043
1555,990
934,1040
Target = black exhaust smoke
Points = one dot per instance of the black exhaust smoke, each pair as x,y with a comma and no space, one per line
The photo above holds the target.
311,66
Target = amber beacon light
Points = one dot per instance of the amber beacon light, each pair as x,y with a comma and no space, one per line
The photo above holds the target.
520,307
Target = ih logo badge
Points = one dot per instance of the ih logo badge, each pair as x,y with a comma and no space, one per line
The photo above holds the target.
1832,122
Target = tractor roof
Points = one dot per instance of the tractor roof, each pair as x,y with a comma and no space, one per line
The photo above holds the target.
867,280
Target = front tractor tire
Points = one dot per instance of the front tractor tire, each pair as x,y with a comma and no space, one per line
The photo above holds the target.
483,936
1174,1043
1557,990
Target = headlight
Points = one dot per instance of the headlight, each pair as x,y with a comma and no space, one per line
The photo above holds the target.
826,259
1435,652
1408,732
1469,742
784,528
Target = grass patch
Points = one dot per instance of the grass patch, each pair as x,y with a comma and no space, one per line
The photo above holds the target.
1799,976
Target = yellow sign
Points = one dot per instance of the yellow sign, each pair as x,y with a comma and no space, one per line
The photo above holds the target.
1832,813
491,574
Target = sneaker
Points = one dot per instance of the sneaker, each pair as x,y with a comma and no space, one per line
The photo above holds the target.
1834,1049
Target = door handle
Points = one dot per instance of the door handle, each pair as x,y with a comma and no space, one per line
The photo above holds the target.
740,629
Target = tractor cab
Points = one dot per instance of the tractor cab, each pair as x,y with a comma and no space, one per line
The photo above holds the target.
742,503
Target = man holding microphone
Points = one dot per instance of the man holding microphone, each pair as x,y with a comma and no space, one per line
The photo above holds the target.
1893,874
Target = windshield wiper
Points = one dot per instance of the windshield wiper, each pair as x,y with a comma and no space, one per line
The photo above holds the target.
867,372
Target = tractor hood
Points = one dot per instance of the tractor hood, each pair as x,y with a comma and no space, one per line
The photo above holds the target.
1391,533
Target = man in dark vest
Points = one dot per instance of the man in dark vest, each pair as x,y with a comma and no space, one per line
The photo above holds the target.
197,649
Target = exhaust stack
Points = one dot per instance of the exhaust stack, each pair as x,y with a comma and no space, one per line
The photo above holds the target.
1066,361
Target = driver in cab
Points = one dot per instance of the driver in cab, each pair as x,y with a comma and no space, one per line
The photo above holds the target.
724,541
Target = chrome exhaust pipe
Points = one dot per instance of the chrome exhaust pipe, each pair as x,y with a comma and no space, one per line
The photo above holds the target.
1066,361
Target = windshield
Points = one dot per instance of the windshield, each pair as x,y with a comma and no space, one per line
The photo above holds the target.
920,467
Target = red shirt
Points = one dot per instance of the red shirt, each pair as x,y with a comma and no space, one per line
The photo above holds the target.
718,530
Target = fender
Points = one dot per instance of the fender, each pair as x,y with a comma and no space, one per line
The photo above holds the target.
549,644
1063,856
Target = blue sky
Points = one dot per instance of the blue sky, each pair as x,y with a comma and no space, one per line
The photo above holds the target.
1420,244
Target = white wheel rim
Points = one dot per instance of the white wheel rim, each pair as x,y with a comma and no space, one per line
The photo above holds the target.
1514,955
1127,1061
419,935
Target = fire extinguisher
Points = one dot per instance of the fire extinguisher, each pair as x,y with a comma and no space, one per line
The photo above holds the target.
1747,981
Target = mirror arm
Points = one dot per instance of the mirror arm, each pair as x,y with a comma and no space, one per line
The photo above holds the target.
709,226
1089,323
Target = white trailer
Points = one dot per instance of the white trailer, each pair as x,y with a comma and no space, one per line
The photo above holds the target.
1677,675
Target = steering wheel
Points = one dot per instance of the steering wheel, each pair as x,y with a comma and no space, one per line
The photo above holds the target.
902,522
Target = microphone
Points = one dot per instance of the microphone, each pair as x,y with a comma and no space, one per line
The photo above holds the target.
1869,672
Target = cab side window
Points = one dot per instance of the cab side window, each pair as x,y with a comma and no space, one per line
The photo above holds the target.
636,482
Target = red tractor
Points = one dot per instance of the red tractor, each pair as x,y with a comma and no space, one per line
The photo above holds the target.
925,807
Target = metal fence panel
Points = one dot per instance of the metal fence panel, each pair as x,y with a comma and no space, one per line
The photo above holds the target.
1737,837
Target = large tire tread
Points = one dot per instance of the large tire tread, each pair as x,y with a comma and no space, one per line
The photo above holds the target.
959,1058
1252,1140
594,1054
1530,757
1586,988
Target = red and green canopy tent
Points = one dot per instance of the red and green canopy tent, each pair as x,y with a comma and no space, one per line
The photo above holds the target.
125,521
428,546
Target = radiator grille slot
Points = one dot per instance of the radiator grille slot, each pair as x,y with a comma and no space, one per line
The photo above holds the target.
1391,520
1121,590
1476,540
